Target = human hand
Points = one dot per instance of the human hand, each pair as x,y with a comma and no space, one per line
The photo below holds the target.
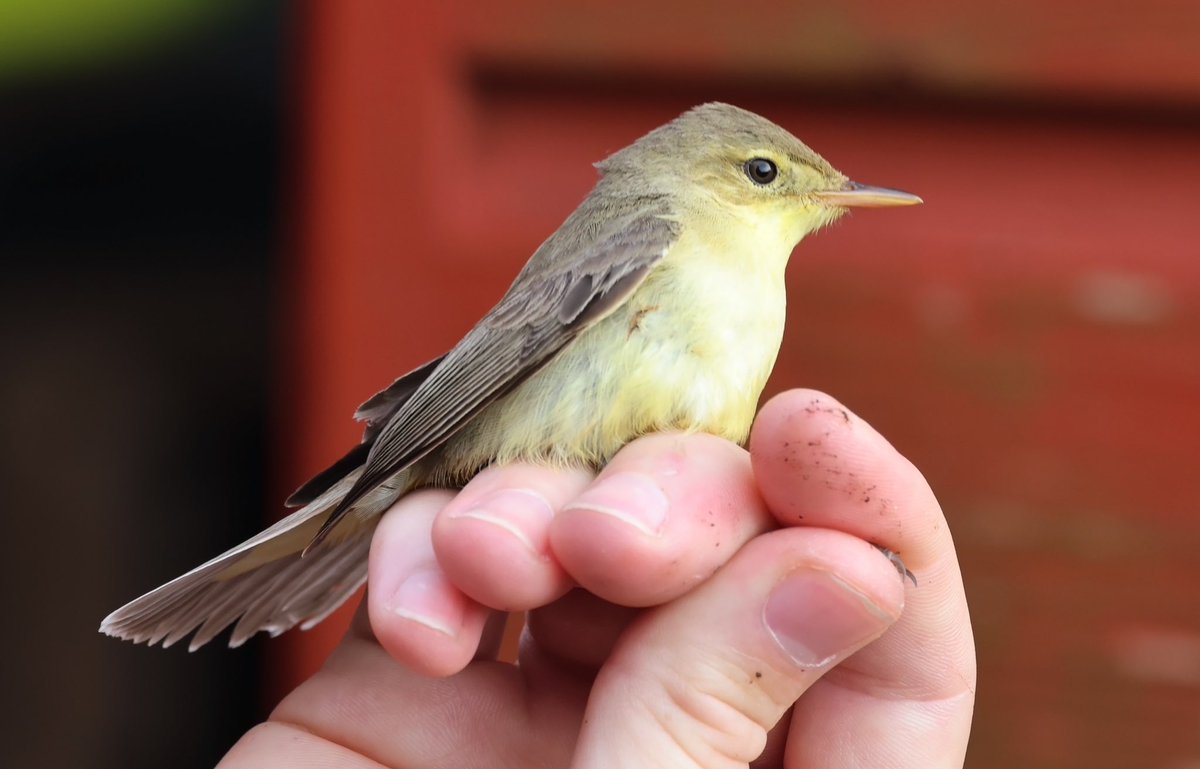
760,584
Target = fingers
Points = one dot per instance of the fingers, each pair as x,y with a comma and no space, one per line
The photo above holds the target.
699,682
493,539
441,563
417,613
819,464
579,629
701,679
662,516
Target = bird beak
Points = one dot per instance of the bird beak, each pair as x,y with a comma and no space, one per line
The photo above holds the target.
866,196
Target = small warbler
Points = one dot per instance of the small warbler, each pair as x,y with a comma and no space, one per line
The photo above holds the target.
657,305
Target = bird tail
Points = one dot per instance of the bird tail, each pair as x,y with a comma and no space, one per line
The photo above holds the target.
266,583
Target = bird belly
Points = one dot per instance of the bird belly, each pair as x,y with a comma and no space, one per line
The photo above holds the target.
691,350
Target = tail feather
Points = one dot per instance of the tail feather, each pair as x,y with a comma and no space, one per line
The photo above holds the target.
263,584
301,594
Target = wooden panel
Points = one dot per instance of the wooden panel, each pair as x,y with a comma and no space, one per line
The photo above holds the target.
1075,48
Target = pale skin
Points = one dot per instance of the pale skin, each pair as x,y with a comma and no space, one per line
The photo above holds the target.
772,625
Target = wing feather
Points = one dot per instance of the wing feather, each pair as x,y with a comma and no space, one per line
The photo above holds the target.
376,412
558,296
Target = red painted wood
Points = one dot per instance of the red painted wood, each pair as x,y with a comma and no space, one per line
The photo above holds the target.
1072,49
1029,337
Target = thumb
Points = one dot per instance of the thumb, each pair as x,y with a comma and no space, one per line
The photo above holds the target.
699,682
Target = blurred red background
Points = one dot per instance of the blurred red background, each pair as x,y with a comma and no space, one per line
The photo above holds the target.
1028,337
226,224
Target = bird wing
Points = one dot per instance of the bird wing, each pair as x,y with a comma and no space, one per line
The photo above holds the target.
379,408
555,298
376,412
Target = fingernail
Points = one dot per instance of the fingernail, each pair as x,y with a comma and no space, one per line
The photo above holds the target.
523,513
816,617
427,597
632,498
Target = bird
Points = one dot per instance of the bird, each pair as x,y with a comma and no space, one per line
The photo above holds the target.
658,305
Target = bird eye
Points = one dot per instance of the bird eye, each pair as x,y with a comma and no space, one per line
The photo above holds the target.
761,170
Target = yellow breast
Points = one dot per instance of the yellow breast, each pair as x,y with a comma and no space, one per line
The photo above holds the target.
690,350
